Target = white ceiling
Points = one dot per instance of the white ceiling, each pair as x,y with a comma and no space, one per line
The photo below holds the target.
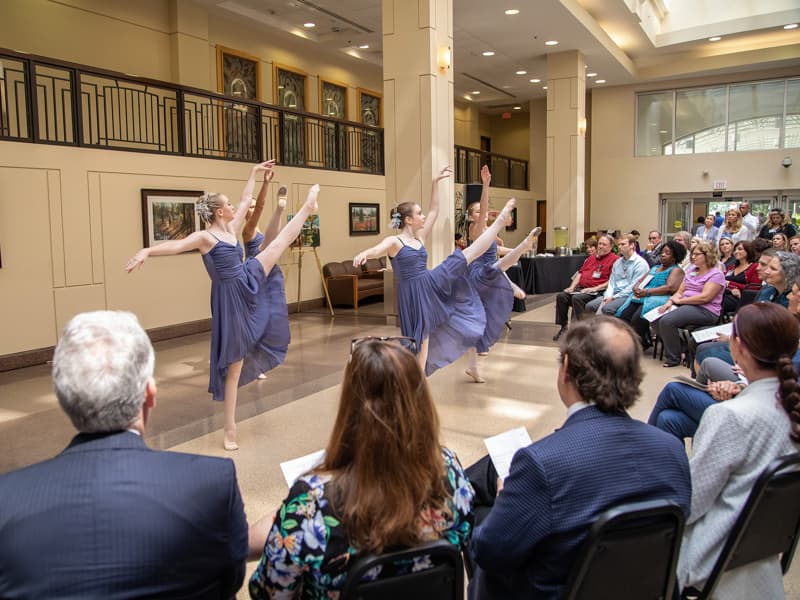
610,36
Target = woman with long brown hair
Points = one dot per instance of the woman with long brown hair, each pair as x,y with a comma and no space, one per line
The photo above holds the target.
735,441
385,481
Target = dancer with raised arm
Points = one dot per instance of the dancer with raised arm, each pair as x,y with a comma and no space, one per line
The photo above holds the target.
439,308
242,336
254,242
487,275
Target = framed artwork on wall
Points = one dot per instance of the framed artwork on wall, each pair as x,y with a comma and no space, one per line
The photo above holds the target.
238,74
333,99
169,215
309,234
512,226
364,218
370,107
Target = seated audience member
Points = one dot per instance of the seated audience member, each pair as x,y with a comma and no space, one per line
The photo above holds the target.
636,248
707,230
780,241
684,238
385,482
586,285
777,223
794,244
698,301
460,242
108,517
735,441
591,246
652,252
759,245
627,270
559,485
743,275
725,247
665,278
734,227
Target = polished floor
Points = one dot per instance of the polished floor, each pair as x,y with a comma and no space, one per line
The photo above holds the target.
290,413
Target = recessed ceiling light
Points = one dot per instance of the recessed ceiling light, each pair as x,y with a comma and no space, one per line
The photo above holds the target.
599,80
309,25
544,87
790,26
522,72
535,80
488,53
475,92
663,131
506,87
517,108
551,43
591,74
364,46
512,11
716,38
468,97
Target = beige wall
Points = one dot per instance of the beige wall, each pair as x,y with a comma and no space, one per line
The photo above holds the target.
625,189
510,136
71,218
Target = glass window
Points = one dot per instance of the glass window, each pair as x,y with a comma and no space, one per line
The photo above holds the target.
700,120
654,124
792,135
755,115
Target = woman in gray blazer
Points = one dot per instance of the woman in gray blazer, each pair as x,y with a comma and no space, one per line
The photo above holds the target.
736,440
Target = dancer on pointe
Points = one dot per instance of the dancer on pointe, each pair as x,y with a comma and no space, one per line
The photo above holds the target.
255,242
487,275
242,338
439,309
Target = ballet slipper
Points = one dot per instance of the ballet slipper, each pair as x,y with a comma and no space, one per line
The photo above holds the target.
475,376
282,203
229,442
262,376
483,354
311,199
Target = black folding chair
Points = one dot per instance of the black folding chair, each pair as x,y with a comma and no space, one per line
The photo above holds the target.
631,552
767,526
443,581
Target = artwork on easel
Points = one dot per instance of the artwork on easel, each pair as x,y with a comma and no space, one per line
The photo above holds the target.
309,234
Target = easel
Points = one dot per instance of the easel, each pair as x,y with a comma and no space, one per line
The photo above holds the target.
300,250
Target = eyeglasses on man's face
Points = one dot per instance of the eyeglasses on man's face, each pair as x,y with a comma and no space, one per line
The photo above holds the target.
401,340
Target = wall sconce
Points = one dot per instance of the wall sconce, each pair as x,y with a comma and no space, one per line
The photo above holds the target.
582,126
443,58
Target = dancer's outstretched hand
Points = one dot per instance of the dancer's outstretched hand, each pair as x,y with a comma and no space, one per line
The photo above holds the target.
265,166
137,261
443,174
360,259
486,176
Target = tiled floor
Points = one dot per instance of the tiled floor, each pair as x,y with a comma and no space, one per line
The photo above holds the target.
290,413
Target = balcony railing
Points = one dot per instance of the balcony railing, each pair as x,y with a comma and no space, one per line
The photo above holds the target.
507,172
48,101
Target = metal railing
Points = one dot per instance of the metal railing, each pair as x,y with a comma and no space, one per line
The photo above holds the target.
507,172
48,101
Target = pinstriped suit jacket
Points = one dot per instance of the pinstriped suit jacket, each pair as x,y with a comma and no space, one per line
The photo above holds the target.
111,518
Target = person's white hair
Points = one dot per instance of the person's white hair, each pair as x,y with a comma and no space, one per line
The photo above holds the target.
101,367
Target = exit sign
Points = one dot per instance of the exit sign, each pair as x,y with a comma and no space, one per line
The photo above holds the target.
720,184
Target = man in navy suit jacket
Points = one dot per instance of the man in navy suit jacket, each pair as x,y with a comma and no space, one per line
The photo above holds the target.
108,517
558,486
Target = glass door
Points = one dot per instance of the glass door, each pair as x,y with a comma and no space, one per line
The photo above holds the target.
676,215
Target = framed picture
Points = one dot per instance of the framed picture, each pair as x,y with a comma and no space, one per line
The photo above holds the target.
309,234
512,226
169,215
237,74
364,219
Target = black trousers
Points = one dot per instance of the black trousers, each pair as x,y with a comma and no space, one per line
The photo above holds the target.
577,301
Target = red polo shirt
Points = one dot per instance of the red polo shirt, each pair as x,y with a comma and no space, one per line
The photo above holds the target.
596,270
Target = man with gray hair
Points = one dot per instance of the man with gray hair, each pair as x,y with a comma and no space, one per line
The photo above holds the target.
110,517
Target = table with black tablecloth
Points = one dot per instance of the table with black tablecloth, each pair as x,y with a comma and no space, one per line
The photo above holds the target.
548,274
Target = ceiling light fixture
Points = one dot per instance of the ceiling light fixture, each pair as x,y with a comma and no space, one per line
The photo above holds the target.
535,80
599,80
591,74
309,25
512,11
522,72
790,26
544,87
364,46
475,92
488,53
551,43
517,108
716,38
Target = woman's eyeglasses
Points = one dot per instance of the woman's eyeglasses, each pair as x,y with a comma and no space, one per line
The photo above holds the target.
401,340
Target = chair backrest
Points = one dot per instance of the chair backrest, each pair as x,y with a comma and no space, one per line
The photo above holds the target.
442,581
748,297
768,524
631,552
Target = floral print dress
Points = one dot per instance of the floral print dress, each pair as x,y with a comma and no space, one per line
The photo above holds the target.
307,548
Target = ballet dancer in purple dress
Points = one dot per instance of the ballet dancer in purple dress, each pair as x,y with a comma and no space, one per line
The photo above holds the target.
243,341
439,309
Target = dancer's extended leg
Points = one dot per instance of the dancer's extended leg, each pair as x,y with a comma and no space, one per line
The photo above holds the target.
489,234
472,368
231,392
422,355
512,257
272,253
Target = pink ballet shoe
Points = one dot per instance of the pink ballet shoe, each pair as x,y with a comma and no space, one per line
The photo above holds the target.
262,376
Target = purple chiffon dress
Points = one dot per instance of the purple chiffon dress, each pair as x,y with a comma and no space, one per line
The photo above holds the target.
439,304
494,290
249,319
